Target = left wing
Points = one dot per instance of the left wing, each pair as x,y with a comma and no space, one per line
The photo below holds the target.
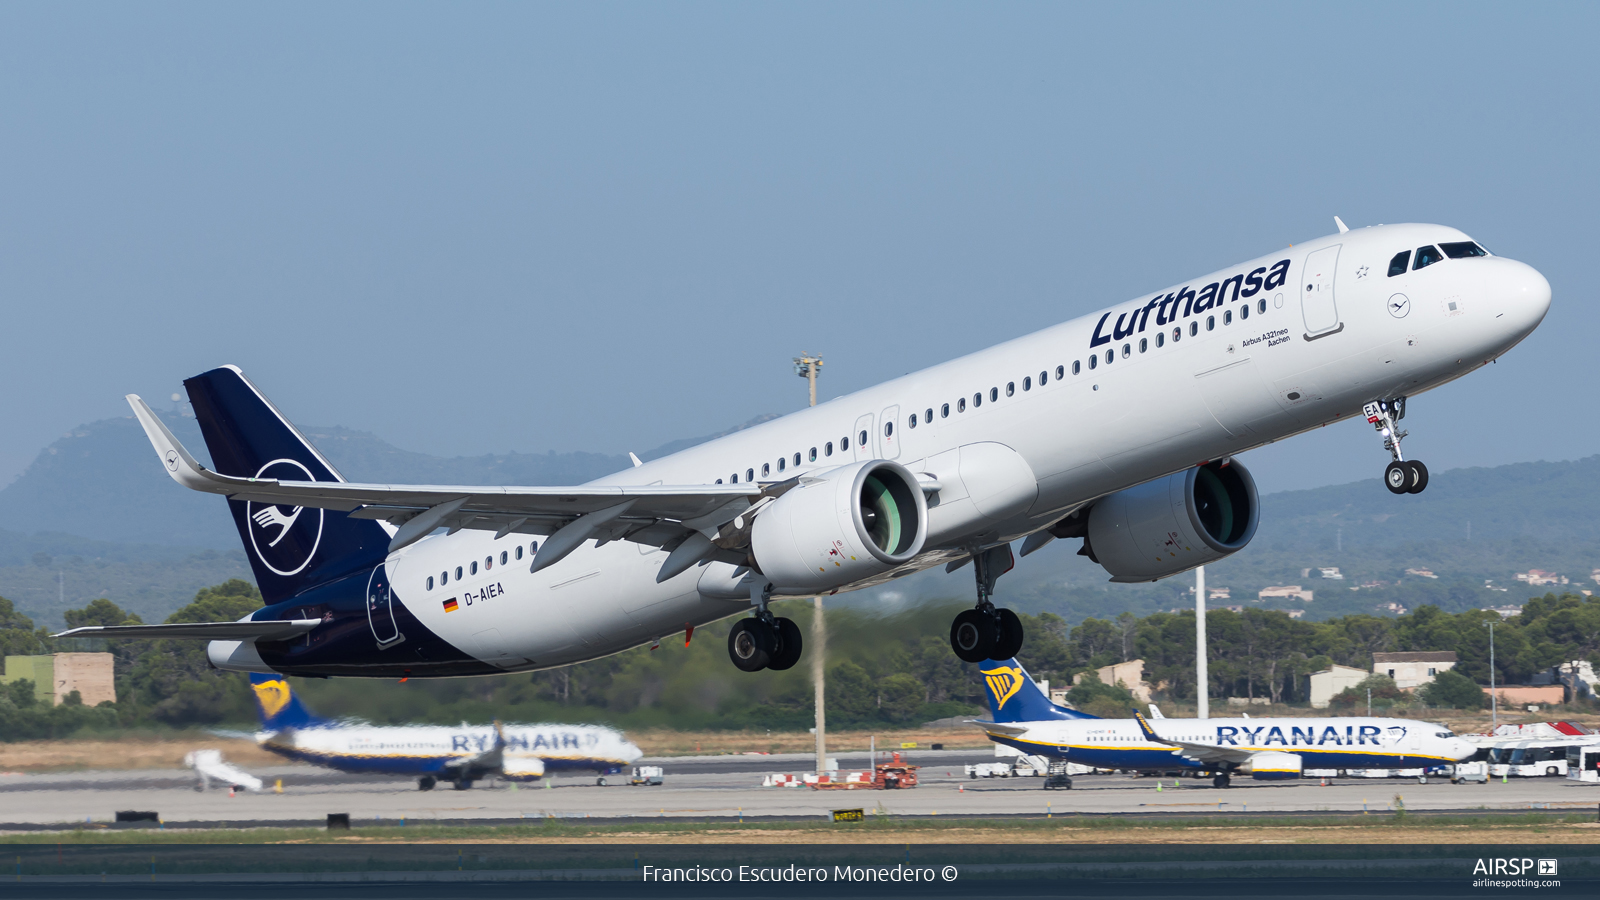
666,516
243,630
1202,752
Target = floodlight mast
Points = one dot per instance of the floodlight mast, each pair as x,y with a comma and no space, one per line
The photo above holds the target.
807,367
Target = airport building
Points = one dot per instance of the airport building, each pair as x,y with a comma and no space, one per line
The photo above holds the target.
1330,681
56,675
1415,669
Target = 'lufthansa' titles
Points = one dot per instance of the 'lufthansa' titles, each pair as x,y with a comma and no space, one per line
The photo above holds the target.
1186,301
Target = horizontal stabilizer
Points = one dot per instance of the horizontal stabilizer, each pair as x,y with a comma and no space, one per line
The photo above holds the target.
269,630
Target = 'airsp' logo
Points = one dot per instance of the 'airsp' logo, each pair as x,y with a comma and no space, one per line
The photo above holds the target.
284,538
273,696
1004,682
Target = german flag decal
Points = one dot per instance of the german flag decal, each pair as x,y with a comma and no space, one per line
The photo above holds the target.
451,605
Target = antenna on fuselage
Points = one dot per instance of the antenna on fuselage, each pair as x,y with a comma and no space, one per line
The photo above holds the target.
1342,226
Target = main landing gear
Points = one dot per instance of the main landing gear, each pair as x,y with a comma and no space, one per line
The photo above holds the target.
1402,476
1220,781
986,631
764,641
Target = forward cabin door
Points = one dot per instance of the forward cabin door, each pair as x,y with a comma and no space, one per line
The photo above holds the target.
889,434
1317,306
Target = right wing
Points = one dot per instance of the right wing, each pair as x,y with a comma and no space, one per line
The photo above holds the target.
247,630
663,516
1206,753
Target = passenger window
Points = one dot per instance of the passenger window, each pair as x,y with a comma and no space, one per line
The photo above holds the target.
444,578
1111,357
1094,361
1143,345
1011,388
888,429
1211,323
766,469
1261,306
811,455
827,449
519,551
1177,334
1161,339
844,444
488,563
861,439
1076,367
1244,312
781,464
1061,372
533,547
430,582
735,478
1227,317
1462,250
1397,266
927,416
977,400
944,411
912,422
1027,383
1044,378
1194,328
1426,256
719,481
961,405
797,462
994,394
458,573
474,567
749,474
1127,351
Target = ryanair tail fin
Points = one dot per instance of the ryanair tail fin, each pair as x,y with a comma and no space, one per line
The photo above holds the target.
1014,697
290,548
278,706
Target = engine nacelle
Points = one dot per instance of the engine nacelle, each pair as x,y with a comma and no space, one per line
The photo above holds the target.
840,526
1273,765
1173,524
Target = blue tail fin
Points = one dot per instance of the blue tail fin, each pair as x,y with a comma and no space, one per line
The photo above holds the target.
278,705
290,548
1013,697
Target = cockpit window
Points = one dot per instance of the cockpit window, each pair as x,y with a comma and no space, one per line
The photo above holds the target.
1462,250
1397,266
1426,256
1443,734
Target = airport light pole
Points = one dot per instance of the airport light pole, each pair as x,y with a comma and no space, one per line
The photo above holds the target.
1202,677
1494,701
807,366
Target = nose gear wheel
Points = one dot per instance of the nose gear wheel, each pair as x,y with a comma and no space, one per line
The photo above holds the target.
1401,476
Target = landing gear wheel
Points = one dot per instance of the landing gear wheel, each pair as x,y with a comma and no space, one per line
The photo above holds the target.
789,646
973,636
751,644
1220,781
1009,642
1397,477
426,783
600,782
1419,476
461,784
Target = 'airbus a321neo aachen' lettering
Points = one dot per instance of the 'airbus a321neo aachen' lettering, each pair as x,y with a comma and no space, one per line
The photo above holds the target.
1118,429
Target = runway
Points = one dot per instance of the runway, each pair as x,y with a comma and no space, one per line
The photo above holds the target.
723,788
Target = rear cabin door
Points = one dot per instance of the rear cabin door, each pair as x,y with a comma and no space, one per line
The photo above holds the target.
889,434
861,437
380,609
1317,305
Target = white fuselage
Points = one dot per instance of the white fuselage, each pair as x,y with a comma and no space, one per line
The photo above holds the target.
530,750
1022,433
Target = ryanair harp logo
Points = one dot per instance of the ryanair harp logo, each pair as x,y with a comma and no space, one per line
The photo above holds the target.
1004,683
272,695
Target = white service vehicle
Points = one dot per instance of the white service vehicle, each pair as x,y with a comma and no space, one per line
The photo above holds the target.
1583,763
1531,759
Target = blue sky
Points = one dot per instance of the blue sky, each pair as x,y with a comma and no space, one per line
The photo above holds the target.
480,228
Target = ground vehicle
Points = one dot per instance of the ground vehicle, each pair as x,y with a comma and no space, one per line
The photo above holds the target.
648,775
1583,763
1529,758
1465,772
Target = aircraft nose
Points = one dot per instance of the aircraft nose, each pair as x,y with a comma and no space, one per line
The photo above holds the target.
1524,294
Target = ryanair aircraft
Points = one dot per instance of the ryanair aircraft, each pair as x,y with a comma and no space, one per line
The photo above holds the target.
1265,749
1118,430
459,755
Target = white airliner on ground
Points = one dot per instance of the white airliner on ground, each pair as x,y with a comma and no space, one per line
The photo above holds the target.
1117,428
1265,749
458,754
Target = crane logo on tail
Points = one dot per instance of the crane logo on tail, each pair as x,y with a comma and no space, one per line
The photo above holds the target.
1004,682
272,695
284,538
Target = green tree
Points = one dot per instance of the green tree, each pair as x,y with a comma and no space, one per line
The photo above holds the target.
1108,701
901,697
1385,694
1452,690
173,682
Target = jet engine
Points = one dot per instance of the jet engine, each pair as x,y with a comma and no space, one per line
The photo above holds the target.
1273,765
839,526
1169,525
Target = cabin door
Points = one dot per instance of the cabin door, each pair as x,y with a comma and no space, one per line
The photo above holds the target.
380,609
1317,306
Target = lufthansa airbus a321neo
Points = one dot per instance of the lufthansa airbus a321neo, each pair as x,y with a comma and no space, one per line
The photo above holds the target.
1118,429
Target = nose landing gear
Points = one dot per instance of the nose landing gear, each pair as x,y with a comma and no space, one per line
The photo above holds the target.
986,631
1402,476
